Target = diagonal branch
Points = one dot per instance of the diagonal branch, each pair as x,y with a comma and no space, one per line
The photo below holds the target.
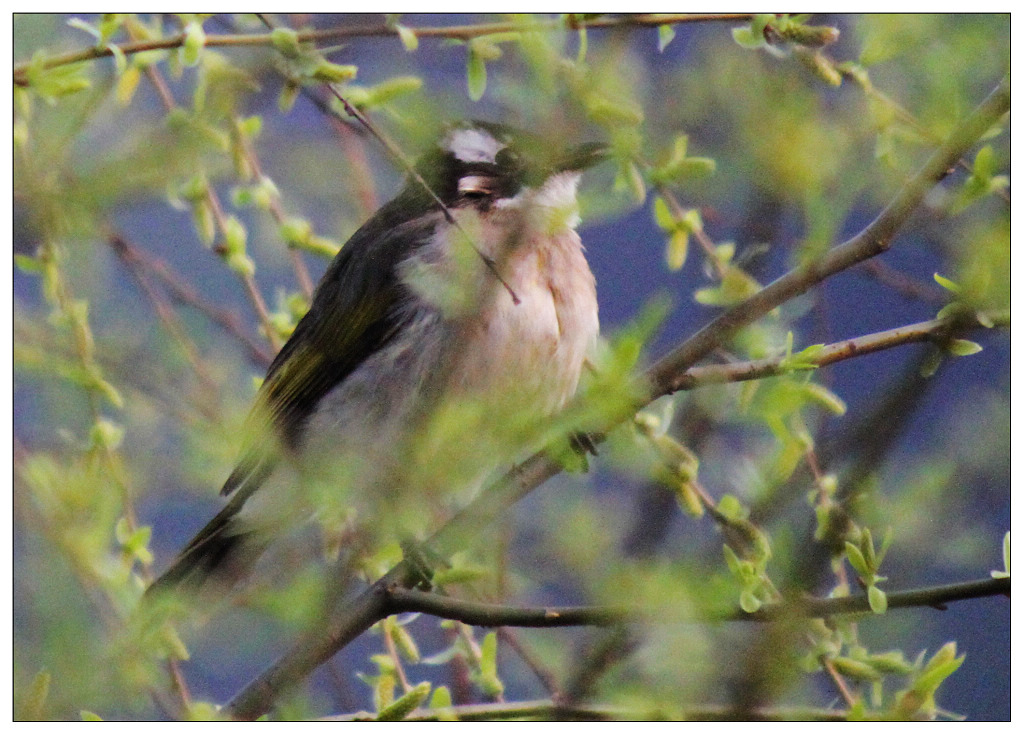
350,618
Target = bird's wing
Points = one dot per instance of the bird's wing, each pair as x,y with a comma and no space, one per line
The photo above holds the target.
354,312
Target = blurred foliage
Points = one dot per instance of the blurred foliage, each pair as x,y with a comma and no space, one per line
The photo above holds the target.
233,175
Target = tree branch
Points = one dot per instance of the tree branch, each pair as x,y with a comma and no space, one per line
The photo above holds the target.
934,330
490,615
351,618
548,709
461,33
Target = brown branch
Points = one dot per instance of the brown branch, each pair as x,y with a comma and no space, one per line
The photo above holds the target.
902,113
873,240
489,615
549,709
350,619
935,330
249,283
462,33
180,291
902,283
165,314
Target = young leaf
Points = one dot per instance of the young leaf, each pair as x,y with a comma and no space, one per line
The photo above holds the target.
675,252
877,600
665,35
947,284
195,39
405,704
408,38
476,74
963,347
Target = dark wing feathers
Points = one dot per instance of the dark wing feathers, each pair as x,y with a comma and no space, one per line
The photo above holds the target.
354,312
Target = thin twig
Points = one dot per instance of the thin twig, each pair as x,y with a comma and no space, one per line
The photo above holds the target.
463,33
902,283
933,330
277,212
249,283
702,238
166,315
181,291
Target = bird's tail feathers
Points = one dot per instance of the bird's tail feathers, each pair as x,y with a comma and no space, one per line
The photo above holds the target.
222,553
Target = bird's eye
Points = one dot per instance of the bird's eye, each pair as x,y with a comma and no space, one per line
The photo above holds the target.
476,187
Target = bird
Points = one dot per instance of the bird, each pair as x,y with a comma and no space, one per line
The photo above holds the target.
453,322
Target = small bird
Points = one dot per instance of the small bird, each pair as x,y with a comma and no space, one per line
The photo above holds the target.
454,321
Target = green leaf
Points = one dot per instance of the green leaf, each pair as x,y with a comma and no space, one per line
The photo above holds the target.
947,284
692,220
408,38
731,560
581,53
665,35
984,164
857,560
749,602
295,231
938,669
823,67
120,60
326,71
746,38
241,263
613,114
489,654
405,704
476,74
676,250
105,433
826,398
891,662
963,347
441,698
730,507
877,600
234,236
813,36
663,216
711,296
383,690
127,84
855,669
84,26
32,707
757,27
931,363
27,264
195,39
286,41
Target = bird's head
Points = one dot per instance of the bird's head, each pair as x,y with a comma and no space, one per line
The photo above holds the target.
490,166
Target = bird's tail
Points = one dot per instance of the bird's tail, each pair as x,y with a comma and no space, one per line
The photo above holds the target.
222,552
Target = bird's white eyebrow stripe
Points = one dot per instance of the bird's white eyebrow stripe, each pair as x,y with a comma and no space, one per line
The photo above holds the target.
473,146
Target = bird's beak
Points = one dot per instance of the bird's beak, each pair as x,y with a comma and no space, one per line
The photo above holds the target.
583,157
